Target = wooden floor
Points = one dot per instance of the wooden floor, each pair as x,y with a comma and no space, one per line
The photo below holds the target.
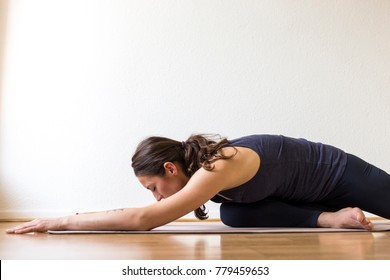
281,246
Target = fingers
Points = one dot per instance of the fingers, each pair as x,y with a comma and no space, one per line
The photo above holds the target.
19,230
33,226
24,228
10,230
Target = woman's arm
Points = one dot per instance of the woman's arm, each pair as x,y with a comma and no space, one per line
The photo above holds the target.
117,219
193,195
201,187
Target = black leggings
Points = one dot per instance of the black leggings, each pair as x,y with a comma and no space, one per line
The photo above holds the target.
362,185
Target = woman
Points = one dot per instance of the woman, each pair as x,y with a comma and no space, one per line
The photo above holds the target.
260,181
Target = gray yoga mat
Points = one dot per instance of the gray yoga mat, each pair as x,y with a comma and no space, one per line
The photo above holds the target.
219,228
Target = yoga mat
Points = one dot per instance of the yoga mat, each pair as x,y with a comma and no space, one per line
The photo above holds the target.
219,228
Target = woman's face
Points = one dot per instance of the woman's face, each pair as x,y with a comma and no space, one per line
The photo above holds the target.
164,186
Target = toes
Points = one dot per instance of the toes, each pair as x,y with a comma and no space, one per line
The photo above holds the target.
359,215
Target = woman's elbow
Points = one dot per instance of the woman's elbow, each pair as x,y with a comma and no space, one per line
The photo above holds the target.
139,221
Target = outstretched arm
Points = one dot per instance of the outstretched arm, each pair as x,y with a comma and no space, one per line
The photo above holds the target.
117,219
197,192
201,187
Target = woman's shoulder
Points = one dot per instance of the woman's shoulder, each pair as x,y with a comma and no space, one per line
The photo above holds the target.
241,167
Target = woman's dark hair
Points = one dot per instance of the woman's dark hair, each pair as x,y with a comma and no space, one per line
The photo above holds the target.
198,151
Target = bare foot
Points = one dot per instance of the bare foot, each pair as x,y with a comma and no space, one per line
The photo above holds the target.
344,218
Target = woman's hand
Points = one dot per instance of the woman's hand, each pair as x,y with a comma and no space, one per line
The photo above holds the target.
38,225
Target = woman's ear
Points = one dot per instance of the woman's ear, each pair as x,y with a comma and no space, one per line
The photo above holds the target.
170,168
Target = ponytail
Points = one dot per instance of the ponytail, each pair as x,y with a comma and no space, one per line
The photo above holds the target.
202,151
201,213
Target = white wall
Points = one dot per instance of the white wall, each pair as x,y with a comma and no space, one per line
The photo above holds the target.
84,81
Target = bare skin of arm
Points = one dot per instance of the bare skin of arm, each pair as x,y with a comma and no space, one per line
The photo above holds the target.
200,188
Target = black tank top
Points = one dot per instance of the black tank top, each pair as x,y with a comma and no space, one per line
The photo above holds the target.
290,169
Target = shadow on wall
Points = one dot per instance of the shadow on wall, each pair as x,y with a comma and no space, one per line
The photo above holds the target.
3,27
